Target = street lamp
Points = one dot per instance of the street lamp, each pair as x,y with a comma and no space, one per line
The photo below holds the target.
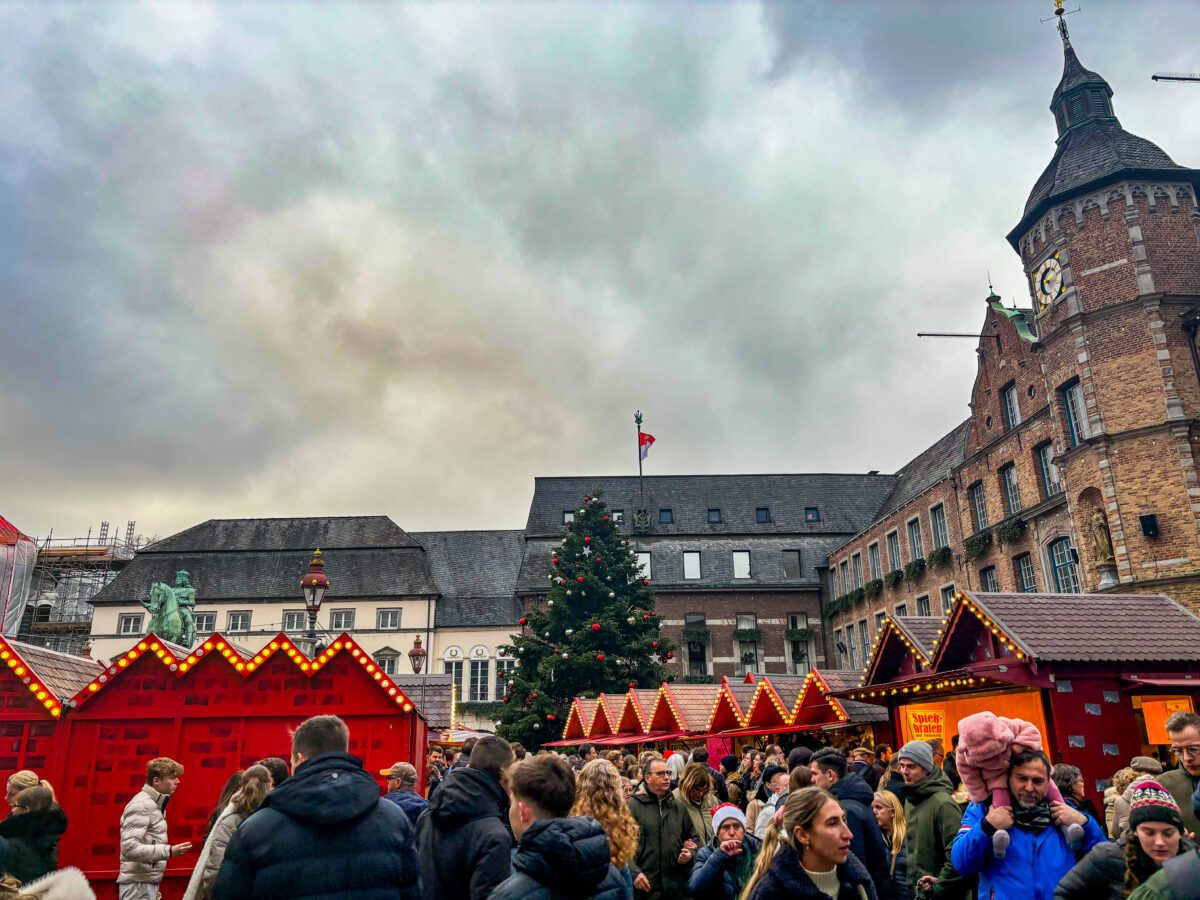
417,655
314,584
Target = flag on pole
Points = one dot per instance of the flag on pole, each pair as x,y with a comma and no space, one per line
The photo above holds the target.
645,441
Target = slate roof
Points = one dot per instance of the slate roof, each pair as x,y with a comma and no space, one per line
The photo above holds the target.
846,502
716,561
263,559
694,702
1074,75
476,574
431,696
921,630
1085,627
928,468
64,674
306,534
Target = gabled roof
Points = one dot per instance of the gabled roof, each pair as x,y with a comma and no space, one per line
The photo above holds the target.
10,533
728,711
1083,627
665,715
847,502
245,666
476,575
304,534
431,694
694,703
608,710
634,716
579,719
767,709
52,678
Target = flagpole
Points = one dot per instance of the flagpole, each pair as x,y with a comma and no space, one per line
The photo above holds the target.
637,418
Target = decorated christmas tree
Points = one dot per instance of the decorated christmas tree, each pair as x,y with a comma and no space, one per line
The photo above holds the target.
597,630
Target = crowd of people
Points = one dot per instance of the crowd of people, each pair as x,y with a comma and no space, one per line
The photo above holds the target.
992,819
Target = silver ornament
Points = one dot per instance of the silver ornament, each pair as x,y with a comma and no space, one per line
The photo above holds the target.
570,631
631,620
612,596
564,656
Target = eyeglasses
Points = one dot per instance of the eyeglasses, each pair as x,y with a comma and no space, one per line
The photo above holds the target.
18,806
663,774
1189,750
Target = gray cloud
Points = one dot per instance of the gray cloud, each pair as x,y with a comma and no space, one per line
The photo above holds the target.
370,258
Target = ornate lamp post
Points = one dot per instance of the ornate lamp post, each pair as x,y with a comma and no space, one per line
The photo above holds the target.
314,584
417,655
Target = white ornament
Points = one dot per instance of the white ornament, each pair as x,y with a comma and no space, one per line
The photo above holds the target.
547,634
551,602
520,649
631,620
587,551
612,596
570,631
537,724
564,656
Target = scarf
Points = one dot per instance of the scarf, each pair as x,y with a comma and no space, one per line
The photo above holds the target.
1032,818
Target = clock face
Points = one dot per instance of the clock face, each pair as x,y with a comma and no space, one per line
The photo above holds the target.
1047,282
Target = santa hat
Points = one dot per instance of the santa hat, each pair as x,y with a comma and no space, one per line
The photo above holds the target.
725,812
1149,801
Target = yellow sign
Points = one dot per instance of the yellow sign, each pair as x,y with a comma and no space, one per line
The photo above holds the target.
926,724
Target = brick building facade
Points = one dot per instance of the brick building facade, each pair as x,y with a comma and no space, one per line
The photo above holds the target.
1076,470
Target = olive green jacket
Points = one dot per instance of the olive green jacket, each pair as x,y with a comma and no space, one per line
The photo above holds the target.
663,826
933,820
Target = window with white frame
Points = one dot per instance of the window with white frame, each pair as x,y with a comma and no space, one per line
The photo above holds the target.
851,647
617,516
504,670
341,620
388,620
1065,568
206,623
915,545
978,505
1023,570
741,563
1075,412
873,561
923,606
388,662
1051,482
840,645
1010,406
454,668
568,516
1012,491
864,636
791,564
844,571
856,563
879,617
947,597
237,621
941,534
691,564
798,648
893,541
293,620
901,609
989,580
479,681
130,624
643,561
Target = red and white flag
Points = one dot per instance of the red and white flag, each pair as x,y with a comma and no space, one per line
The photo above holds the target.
645,440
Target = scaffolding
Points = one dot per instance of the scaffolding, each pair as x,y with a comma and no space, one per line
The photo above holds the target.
68,573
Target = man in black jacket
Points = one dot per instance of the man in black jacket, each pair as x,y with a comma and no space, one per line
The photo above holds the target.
323,833
463,838
852,792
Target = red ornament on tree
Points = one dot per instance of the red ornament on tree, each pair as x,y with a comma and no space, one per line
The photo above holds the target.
633,684
580,578
587,540
550,717
645,618
645,581
605,519
556,560
653,614
599,657
654,644
670,655
505,699
595,626
522,620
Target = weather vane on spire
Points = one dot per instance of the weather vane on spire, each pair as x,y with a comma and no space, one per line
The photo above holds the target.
1060,13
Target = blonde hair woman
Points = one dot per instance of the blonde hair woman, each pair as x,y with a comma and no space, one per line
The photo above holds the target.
809,856
32,830
889,813
256,784
598,794
19,781
695,794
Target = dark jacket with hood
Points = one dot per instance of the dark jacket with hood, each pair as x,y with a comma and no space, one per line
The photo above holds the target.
718,876
663,826
560,859
787,880
867,845
411,802
33,842
1100,875
933,819
463,838
324,833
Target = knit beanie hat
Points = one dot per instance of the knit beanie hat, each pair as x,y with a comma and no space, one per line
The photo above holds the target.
730,763
919,752
1149,801
724,813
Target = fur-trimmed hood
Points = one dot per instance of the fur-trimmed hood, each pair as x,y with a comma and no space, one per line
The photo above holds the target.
65,884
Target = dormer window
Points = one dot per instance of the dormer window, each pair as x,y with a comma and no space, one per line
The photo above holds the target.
762,515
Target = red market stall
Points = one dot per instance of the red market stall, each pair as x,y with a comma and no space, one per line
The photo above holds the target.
1096,673
579,719
817,707
215,710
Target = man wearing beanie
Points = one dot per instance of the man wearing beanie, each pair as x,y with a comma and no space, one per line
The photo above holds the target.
1156,830
933,820
1038,856
724,865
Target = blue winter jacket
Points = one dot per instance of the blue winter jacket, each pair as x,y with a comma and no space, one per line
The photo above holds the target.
411,802
1034,865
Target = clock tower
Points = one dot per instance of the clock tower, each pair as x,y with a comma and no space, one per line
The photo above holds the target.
1110,244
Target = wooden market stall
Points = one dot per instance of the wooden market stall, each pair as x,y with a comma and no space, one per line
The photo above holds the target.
1097,673
215,710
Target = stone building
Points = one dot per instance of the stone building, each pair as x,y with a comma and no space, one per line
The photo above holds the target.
1076,470
735,560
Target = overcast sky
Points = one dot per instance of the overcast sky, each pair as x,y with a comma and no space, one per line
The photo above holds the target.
266,259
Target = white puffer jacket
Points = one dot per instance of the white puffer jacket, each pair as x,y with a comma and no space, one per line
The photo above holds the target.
144,847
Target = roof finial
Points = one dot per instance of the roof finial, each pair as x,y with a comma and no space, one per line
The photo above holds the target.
1060,13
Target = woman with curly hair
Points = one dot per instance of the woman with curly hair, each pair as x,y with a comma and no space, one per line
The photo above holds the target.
598,794
1116,870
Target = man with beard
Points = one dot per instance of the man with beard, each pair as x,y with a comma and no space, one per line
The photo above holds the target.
1038,856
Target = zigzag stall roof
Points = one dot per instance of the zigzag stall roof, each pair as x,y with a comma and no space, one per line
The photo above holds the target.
1091,627
248,559
476,575
52,678
152,647
695,703
579,719
846,502
841,680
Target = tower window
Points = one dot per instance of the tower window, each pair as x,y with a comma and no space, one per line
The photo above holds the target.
691,564
1012,492
741,563
1077,423
1051,483
1010,407
978,505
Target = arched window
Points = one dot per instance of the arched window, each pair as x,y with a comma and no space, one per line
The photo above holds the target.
1064,566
